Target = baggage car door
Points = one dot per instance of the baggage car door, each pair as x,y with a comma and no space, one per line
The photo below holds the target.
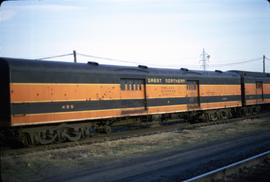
259,92
193,100
132,94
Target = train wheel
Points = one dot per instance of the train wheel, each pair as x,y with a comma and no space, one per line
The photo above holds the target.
107,129
258,109
230,115
88,131
205,117
249,111
224,114
25,139
45,137
72,134
244,111
213,116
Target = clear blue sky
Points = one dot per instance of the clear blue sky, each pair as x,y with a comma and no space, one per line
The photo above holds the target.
167,33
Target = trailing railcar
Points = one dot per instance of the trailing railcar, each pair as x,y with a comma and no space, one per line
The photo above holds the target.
76,99
255,88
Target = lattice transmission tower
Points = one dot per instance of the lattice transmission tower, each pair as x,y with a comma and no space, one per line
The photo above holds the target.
204,59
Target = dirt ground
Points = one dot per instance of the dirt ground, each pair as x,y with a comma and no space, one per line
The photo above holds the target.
37,166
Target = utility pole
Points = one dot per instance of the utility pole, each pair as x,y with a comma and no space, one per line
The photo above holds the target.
205,58
75,56
264,63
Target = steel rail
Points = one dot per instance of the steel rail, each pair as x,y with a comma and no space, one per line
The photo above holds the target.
225,168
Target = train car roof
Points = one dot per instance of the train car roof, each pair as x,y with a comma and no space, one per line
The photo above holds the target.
250,73
28,64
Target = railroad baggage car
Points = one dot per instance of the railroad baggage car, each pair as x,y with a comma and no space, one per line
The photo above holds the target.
47,101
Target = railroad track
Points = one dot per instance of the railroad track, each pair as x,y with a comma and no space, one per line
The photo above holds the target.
98,138
255,168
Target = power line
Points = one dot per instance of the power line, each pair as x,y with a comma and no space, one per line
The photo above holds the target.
58,56
218,65
172,66
125,61
236,63
109,59
106,58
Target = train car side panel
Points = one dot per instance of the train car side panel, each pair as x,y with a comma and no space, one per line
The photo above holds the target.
162,97
250,93
220,96
53,92
257,91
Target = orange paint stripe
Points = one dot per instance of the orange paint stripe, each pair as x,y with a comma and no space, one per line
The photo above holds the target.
217,90
167,109
266,88
67,116
218,105
251,102
172,91
29,93
46,92
265,101
250,89
255,101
